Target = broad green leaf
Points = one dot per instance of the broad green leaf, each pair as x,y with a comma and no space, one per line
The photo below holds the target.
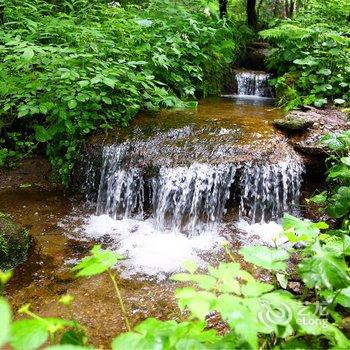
107,100
345,160
28,53
339,101
320,102
41,134
239,317
99,262
268,258
255,289
68,347
282,280
325,71
28,334
340,247
190,266
319,198
5,276
5,319
324,269
129,341
339,203
144,22
72,104
109,82
301,230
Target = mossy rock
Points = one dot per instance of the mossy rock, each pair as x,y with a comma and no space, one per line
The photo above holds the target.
293,125
14,242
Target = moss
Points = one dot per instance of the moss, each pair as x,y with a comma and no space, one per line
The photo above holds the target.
14,242
293,125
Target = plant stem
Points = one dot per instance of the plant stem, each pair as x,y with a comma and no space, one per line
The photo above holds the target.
229,253
120,300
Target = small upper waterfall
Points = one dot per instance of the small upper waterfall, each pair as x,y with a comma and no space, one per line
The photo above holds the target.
251,83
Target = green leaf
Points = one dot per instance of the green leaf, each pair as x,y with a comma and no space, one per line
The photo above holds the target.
282,280
254,289
41,134
339,101
301,230
107,100
268,258
319,199
68,347
28,53
320,102
5,317
340,247
240,317
99,262
28,334
325,71
109,82
129,341
144,22
339,203
324,269
72,104
345,160
190,266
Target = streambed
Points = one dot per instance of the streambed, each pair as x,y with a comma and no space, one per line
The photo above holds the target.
64,229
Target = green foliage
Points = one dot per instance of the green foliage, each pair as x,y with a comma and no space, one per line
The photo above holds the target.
166,335
98,262
5,317
324,269
268,258
70,68
258,315
312,56
336,201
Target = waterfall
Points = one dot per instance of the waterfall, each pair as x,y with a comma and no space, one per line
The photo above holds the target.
193,198
253,84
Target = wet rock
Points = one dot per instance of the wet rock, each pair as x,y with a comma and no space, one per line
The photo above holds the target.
14,242
293,125
305,128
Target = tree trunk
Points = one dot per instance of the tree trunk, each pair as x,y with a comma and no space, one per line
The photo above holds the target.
291,8
223,8
2,14
251,13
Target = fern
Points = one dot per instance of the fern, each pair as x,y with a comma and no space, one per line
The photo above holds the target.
286,31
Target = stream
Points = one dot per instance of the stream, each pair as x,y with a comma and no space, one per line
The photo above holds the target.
171,187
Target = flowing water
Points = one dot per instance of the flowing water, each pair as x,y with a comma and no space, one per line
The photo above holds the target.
170,187
253,84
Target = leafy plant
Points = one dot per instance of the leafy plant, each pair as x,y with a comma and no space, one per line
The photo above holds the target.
311,55
71,68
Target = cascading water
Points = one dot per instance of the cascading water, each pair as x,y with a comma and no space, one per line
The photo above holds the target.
171,188
250,83
193,198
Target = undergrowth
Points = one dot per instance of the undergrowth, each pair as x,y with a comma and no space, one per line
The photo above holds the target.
311,54
69,68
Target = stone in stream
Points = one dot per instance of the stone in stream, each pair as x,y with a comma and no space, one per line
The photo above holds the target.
14,242
293,125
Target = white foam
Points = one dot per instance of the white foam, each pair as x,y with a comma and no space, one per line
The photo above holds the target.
148,251
270,233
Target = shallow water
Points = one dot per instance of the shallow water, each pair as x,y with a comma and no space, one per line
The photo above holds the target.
63,231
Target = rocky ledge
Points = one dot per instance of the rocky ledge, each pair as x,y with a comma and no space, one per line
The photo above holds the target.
306,127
